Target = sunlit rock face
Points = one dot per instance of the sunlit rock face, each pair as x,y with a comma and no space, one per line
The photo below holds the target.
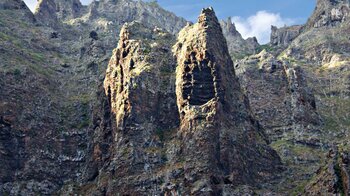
187,131
329,13
283,36
213,111
238,47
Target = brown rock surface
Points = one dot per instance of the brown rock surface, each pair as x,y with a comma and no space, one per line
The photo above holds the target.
283,36
237,46
290,104
329,13
333,178
152,130
215,115
207,143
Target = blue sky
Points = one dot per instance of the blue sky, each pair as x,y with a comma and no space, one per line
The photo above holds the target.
252,17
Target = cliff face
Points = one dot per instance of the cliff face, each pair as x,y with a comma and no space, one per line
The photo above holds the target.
42,140
282,37
166,116
329,13
19,7
195,144
141,111
286,107
306,75
237,46
322,51
291,103
54,68
213,110
333,178
51,11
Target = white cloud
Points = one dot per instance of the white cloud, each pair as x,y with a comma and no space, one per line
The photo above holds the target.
259,25
31,4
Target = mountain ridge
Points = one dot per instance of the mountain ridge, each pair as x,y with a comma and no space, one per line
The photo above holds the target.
170,114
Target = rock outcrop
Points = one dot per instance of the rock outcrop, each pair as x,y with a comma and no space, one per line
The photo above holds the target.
214,111
237,46
50,12
139,117
106,15
333,178
290,105
151,141
107,12
19,7
168,117
282,37
329,13
45,12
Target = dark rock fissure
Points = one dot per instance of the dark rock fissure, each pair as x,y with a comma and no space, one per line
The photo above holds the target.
198,81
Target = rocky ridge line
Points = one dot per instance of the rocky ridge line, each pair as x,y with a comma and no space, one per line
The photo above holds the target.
202,149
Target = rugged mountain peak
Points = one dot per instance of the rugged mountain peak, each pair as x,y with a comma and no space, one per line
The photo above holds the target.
181,132
237,46
285,35
229,27
116,13
19,7
129,64
12,4
329,13
50,11
213,110
69,9
139,113
45,12
197,46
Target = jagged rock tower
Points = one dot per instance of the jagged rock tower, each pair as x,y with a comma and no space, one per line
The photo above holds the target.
49,12
217,129
203,140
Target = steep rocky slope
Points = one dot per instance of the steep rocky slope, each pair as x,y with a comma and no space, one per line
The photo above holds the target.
333,178
282,37
32,128
323,52
329,13
193,142
290,105
48,91
286,107
237,46
170,116
305,74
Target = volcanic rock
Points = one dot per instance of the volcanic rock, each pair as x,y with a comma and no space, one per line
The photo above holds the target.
237,46
329,13
215,116
284,36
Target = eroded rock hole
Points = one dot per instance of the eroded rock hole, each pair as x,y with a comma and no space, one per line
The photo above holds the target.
132,64
198,85
125,53
203,85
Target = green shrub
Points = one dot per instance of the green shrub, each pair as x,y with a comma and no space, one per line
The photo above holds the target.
160,134
17,72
